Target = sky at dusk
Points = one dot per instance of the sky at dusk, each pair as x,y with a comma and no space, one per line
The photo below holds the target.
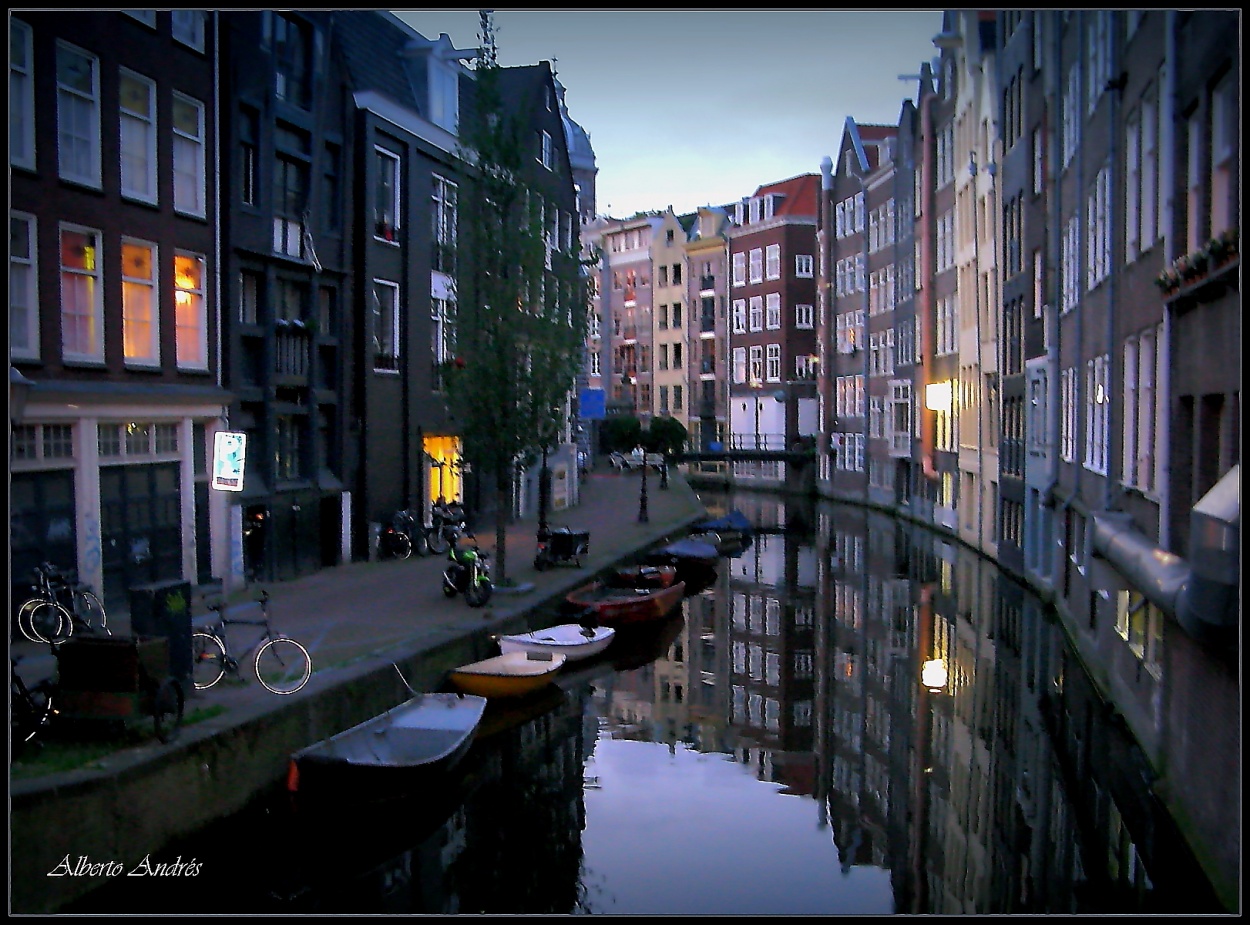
700,107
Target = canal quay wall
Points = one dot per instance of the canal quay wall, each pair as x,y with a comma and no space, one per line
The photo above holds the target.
70,832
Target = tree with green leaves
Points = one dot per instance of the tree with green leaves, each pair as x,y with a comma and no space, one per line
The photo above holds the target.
521,305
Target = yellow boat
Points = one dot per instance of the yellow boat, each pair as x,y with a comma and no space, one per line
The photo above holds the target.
513,674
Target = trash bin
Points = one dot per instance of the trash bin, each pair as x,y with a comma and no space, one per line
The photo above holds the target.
163,608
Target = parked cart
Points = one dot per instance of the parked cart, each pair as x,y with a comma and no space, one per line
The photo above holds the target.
562,545
118,679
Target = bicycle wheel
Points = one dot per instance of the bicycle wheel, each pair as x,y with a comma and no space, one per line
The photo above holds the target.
395,545
48,622
90,610
208,660
23,618
436,539
283,665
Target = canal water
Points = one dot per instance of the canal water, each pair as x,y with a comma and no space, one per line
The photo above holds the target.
854,717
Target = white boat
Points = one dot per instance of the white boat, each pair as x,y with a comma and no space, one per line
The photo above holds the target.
572,640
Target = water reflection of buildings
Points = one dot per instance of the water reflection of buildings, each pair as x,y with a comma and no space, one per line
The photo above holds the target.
772,647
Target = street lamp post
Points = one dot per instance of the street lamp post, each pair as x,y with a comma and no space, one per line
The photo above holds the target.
643,515
544,498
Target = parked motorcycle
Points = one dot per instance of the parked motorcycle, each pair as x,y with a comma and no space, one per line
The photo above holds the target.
468,573
447,526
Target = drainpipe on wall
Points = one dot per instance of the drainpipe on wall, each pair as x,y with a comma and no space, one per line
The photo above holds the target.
826,314
1054,409
1167,104
1115,86
924,303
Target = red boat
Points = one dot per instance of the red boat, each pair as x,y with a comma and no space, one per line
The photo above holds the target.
615,606
644,576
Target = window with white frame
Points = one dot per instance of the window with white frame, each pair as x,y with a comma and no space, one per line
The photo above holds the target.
23,287
21,95
803,265
1098,410
1141,431
772,371
1098,217
1071,115
82,298
772,313
740,316
1151,177
804,316
188,124
839,220
1132,187
385,326
772,261
1223,147
755,356
756,313
740,364
445,216
757,265
1098,56
1140,624
1070,265
547,151
386,215
137,113
1067,414
190,312
188,28
739,269
805,367
78,115
140,313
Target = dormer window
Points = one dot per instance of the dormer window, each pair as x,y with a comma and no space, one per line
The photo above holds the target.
444,93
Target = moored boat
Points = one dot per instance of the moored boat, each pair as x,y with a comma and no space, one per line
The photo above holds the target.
572,640
512,674
613,606
733,526
643,576
390,752
688,551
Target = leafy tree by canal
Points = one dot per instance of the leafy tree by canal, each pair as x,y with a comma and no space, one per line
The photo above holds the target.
521,303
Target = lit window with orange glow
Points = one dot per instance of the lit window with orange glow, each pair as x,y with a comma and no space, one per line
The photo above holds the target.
190,312
139,316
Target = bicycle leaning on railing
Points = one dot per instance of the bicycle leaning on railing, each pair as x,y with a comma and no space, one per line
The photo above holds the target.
282,664
59,605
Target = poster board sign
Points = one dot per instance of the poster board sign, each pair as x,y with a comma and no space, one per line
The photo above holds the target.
592,404
229,454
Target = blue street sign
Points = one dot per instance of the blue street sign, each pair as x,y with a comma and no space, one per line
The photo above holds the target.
593,404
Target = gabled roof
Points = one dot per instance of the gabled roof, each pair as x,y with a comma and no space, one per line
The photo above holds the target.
798,195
